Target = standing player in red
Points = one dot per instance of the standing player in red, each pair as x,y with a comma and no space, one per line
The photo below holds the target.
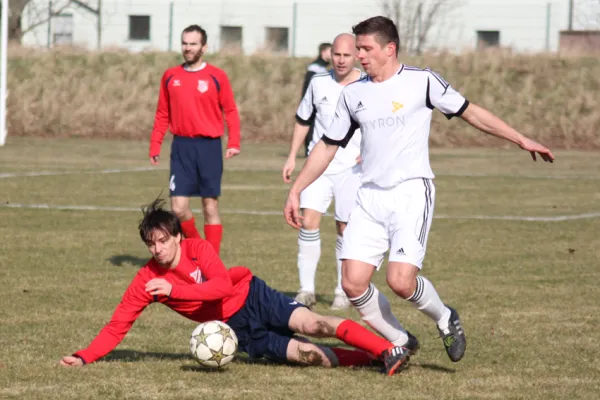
192,99
190,278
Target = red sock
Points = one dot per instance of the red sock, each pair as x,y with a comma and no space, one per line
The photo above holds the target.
352,358
213,234
189,229
357,336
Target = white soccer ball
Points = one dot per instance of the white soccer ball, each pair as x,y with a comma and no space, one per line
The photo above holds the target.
213,344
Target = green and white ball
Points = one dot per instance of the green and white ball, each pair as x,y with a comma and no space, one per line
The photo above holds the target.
213,344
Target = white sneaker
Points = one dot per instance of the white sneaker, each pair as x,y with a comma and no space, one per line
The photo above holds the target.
306,298
340,302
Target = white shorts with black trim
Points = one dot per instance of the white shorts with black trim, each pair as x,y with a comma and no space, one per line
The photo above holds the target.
343,187
396,219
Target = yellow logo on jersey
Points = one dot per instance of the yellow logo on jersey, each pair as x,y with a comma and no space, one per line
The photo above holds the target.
396,106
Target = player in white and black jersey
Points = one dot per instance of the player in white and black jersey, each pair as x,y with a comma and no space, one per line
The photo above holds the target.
341,178
393,109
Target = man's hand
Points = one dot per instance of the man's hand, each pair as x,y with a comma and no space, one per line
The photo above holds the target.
154,160
288,168
534,147
292,210
231,153
358,159
70,361
158,286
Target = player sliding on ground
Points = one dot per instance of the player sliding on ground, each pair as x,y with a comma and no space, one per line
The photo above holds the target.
189,277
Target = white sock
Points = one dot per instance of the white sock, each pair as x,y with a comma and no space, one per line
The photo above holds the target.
338,252
309,252
375,310
427,300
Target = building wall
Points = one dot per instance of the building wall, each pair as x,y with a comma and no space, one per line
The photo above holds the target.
523,25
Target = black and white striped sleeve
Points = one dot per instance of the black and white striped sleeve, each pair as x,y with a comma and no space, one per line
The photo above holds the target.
442,96
306,110
343,125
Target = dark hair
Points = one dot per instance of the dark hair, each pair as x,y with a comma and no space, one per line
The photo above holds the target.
197,28
323,47
156,217
383,28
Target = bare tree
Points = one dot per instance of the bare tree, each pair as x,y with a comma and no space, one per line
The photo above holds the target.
414,19
38,13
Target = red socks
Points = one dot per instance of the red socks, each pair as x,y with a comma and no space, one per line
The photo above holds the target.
214,234
189,229
352,358
357,336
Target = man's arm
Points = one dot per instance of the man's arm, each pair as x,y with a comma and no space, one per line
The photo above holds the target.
129,309
339,134
217,282
161,119
232,116
442,96
304,115
487,122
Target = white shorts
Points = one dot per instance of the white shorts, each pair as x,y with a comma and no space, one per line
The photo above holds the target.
396,219
343,186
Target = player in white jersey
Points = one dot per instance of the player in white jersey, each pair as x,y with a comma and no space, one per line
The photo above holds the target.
340,180
393,107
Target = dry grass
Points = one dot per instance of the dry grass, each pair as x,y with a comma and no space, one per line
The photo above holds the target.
113,94
529,304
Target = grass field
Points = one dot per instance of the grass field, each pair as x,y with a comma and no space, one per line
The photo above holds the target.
527,290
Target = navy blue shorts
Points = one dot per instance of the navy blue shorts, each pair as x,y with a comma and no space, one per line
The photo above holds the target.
196,166
261,325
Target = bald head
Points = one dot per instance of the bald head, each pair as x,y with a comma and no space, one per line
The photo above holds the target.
343,54
344,42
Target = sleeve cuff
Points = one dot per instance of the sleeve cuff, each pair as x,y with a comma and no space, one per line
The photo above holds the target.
333,142
460,111
301,121
80,357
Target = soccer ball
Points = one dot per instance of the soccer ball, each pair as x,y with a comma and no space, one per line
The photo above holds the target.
213,344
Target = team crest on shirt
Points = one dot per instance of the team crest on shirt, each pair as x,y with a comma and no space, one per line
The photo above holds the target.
202,86
396,106
197,275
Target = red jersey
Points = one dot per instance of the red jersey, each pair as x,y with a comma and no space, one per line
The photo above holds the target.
192,103
203,290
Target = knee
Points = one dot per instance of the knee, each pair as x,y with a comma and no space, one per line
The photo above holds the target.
319,327
210,208
403,287
310,222
308,354
182,212
353,287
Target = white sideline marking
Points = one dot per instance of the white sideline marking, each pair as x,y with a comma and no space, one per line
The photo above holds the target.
4,175
555,218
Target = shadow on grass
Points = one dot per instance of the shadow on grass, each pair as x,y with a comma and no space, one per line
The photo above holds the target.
433,367
134,356
127,259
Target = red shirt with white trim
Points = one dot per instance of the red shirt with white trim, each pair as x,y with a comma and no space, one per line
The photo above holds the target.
203,290
192,104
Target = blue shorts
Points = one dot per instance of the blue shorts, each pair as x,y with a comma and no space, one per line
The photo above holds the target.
196,166
262,324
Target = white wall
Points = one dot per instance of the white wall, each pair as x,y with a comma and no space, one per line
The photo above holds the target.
522,24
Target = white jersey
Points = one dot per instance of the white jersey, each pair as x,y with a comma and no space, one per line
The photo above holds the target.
320,101
394,117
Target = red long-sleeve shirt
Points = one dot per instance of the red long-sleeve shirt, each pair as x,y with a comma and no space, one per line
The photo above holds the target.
203,290
192,103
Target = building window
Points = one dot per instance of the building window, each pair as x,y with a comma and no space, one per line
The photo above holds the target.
488,39
277,40
139,27
231,38
63,29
